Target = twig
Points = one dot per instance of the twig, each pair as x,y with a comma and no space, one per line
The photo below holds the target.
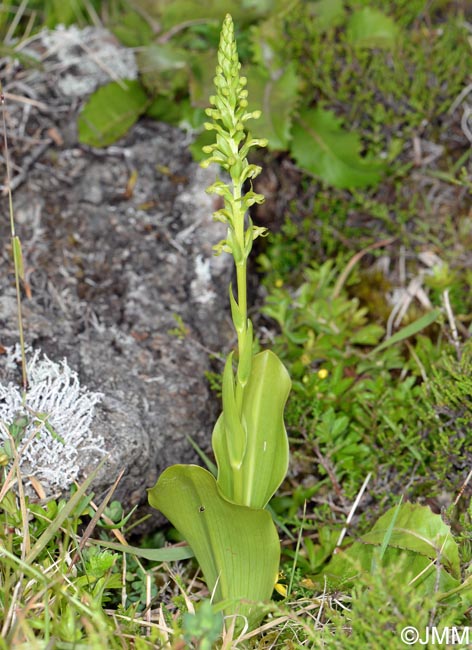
353,509
93,522
463,486
27,100
465,123
460,97
452,323
28,162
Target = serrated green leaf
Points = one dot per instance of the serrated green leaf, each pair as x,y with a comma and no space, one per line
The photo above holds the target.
413,537
265,462
418,571
110,112
418,529
371,28
236,547
322,147
276,97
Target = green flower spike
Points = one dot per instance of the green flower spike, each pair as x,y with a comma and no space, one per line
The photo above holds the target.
225,521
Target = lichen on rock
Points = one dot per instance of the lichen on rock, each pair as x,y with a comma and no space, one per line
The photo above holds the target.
58,412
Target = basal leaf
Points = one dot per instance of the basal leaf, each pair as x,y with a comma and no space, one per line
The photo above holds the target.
110,112
371,28
265,463
322,147
236,547
276,96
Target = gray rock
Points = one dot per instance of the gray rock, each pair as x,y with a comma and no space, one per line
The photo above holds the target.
124,285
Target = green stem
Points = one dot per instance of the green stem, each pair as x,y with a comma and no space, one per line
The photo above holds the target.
241,279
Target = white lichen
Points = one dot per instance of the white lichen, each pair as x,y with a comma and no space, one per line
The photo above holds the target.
87,58
201,285
59,412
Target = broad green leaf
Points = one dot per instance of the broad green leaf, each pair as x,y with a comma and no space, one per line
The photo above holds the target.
328,14
418,571
110,112
236,547
413,537
323,148
164,68
418,529
276,96
371,28
410,330
265,462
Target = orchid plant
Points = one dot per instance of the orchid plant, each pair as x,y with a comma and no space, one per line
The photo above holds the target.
224,518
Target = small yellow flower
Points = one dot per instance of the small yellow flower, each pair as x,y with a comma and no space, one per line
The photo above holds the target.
279,283
307,583
281,589
322,373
